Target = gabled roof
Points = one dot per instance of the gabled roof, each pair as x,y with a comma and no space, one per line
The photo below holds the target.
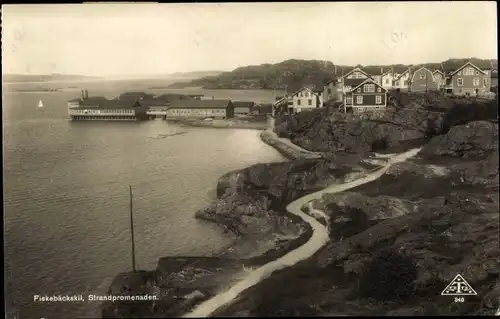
371,81
243,104
466,64
283,99
438,71
401,75
192,103
302,89
353,82
422,68
356,69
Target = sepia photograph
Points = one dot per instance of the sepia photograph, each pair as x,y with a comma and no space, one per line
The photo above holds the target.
250,159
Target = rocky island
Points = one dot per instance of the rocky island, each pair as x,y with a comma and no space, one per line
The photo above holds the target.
395,243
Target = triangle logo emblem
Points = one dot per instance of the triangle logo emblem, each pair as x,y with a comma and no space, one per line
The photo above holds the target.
458,287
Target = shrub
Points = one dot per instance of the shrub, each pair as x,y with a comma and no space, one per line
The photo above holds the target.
388,276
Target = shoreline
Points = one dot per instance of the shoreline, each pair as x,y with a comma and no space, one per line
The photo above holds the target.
222,124
137,281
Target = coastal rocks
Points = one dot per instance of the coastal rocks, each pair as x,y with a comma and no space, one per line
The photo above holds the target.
178,284
411,118
289,150
474,139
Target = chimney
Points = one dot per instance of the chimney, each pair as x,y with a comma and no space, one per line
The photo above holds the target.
83,95
86,94
381,70
213,98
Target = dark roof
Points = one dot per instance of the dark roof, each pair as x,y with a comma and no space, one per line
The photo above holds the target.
330,81
76,100
102,102
154,102
243,104
353,82
93,100
135,95
209,104
374,70
399,69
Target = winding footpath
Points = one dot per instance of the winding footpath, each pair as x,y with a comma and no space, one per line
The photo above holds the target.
318,239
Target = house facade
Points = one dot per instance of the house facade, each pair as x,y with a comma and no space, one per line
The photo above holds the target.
469,80
306,99
352,79
283,105
99,108
402,81
331,91
387,80
422,80
367,95
243,107
217,109
494,78
440,78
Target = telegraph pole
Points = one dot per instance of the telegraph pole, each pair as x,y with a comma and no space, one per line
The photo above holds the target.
132,229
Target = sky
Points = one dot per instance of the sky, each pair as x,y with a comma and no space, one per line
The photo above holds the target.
115,39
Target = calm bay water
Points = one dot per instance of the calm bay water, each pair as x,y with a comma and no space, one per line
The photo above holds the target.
66,196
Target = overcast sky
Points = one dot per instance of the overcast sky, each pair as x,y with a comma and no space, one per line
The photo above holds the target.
112,39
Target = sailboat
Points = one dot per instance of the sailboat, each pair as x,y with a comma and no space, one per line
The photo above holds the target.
40,105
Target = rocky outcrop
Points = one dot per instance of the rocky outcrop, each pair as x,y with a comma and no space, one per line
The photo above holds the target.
475,139
439,211
287,149
410,119
251,201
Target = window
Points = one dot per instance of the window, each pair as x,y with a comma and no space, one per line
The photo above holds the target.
310,102
405,82
475,82
369,87
423,76
485,82
359,100
329,91
379,90
477,72
359,90
306,94
460,81
298,102
396,83
459,72
348,100
468,71
378,99
386,81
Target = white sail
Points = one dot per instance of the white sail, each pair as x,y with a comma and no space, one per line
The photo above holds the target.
40,104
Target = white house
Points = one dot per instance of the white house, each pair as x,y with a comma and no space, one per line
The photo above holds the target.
402,81
306,99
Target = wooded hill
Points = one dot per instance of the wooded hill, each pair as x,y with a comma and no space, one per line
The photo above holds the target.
294,74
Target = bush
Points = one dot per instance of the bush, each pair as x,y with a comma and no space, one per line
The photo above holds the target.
388,276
